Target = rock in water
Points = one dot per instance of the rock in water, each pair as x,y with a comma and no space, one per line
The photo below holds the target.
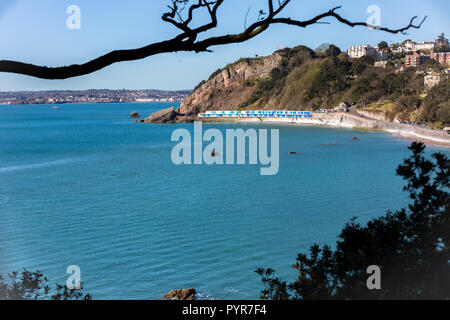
185,294
135,114
162,116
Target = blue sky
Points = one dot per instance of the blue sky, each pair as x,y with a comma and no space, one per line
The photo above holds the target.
35,31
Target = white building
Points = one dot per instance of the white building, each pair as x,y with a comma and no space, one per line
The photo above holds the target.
410,46
356,52
425,46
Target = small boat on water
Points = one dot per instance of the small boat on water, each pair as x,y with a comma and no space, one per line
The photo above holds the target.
55,108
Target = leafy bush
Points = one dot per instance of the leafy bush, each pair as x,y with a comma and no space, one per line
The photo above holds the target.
436,104
28,285
411,246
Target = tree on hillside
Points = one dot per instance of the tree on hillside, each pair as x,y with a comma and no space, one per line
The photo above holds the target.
332,51
436,106
383,45
183,14
361,64
410,246
402,81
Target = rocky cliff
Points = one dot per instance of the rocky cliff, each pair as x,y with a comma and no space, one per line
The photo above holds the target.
229,87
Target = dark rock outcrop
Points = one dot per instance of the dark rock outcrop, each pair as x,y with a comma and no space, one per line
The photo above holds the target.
162,116
185,294
135,114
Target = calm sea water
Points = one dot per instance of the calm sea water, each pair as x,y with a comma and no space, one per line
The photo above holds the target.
86,186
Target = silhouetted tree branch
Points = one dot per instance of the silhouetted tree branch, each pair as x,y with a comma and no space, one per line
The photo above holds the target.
187,39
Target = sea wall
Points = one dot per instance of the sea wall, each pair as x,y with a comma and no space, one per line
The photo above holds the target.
378,115
347,120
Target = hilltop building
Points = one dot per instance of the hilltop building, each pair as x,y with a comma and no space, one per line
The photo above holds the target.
425,46
419,58
441,57
356,52
416,59
411,46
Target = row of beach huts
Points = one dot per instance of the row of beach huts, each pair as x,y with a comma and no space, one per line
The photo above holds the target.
257,114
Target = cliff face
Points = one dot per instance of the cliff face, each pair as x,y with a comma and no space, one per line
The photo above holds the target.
229,88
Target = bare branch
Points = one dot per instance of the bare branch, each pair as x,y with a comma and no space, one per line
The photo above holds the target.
270,6
170,17
332,13
187,39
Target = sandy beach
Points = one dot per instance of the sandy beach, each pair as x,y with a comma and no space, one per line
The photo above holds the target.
351,121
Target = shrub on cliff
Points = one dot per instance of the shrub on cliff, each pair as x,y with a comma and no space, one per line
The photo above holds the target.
436,104
359,65
407,104
411,246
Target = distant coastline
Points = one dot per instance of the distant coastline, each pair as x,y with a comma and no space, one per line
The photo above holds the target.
91,96
99,102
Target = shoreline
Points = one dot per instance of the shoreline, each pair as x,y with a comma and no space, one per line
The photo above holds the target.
348,121
72,103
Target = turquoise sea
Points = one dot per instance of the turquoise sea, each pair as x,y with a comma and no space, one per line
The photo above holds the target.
85,185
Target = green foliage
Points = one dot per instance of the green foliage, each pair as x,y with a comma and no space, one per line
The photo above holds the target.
407,104
433,64
436,104
443,49
28,285
383,45
332,51
361,64
411,246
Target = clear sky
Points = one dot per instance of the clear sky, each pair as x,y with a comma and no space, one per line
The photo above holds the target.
35,31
